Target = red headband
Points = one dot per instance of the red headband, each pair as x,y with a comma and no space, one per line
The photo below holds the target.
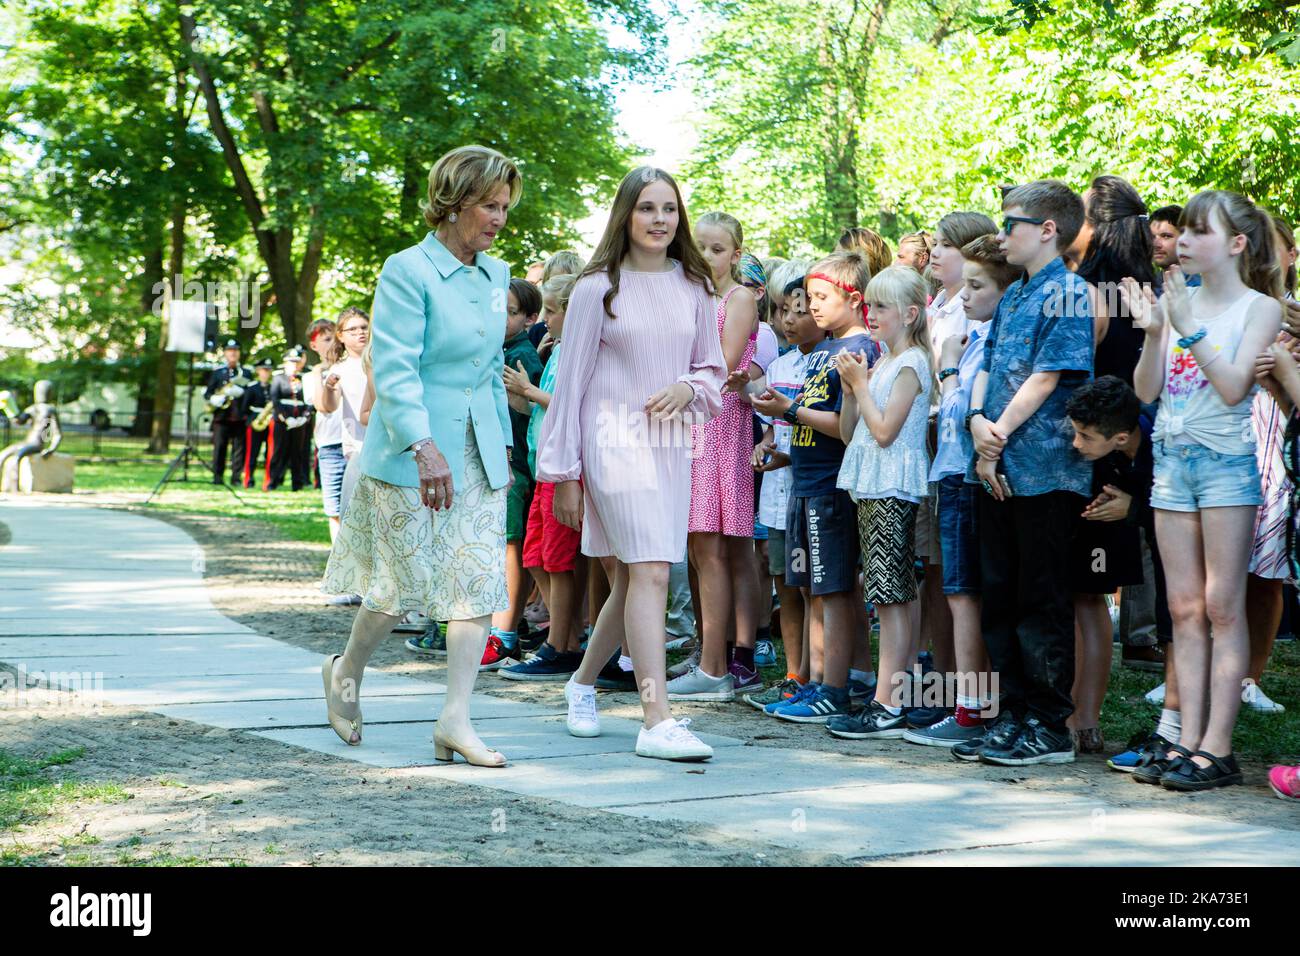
835,282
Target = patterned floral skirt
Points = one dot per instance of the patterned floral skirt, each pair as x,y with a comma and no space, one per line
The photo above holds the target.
402,556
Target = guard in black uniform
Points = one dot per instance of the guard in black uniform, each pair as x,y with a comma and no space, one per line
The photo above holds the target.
258,412
225,392
291,424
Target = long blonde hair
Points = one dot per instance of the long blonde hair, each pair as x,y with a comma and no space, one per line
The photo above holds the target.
904,288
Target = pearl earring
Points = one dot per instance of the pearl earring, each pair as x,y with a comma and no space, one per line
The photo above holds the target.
452,217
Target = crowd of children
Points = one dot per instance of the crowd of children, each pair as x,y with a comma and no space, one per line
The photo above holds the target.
980,445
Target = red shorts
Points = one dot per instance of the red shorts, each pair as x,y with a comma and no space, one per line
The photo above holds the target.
548,545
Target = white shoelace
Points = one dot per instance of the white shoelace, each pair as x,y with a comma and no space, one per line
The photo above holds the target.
583,706
678,732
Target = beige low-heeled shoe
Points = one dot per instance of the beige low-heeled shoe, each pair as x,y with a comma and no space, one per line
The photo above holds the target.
444,750
342,726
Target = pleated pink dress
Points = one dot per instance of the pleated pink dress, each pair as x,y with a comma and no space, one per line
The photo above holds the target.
722,479
636,472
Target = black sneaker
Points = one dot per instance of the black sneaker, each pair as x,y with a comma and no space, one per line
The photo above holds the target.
872,722
1036,743
547,664
531,638
919,717
613,677
1001,732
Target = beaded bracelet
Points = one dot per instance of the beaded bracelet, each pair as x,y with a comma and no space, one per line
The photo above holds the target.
1187,341
945,372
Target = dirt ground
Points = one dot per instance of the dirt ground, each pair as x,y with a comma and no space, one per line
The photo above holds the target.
229,796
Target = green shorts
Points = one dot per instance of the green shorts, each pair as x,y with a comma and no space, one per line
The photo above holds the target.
776,552
517,502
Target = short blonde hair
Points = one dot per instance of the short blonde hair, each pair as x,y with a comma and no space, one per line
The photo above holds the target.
849,270
464,176
563,263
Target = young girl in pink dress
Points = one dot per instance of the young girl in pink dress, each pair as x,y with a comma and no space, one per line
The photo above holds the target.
722,489
641,361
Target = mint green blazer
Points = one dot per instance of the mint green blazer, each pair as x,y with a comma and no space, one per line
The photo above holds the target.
437,330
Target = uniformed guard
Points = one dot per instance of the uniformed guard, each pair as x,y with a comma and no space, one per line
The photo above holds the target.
258,412
290,439
224,393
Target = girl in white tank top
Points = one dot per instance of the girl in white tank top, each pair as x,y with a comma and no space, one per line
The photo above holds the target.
1199,361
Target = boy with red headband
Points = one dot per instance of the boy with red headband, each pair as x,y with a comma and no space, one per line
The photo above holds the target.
821,519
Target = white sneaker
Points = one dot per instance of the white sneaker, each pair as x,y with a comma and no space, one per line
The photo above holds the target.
670,740
1253,696
583,721
1156,696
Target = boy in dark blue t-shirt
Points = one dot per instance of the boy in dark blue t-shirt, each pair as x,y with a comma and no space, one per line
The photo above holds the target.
821,519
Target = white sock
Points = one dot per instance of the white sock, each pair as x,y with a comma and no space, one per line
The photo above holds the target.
867,677
1171,725
893,711
704,673
625,663
583,689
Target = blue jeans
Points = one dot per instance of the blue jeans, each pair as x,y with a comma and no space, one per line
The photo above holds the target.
332,465
958,535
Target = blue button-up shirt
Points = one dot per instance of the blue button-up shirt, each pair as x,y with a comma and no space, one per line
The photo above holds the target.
1042,324
956,447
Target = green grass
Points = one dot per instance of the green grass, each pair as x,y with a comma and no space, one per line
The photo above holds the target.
298,515
29,792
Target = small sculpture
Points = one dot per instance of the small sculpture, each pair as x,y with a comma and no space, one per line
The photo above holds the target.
44,420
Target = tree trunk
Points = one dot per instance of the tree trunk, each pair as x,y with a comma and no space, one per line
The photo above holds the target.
146,390
165,401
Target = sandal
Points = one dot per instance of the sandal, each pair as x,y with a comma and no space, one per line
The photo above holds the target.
1189,775
345,728
1155,763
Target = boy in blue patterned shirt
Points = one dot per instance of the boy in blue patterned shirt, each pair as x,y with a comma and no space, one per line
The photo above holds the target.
1039,350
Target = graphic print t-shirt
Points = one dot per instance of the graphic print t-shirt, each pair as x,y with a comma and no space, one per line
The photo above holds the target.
815,458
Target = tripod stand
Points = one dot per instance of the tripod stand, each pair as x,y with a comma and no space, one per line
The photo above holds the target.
191,450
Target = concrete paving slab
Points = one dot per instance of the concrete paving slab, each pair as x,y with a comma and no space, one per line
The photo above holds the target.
519,738
623,778
310,712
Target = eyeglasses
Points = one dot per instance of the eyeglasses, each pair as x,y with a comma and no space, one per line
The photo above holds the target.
1009,222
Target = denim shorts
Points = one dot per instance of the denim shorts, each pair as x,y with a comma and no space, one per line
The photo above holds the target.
330,460
958,537
1192,477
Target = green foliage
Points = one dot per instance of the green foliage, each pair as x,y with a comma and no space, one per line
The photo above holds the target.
335,112
1176,95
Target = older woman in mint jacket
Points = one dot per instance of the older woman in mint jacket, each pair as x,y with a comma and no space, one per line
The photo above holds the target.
425,528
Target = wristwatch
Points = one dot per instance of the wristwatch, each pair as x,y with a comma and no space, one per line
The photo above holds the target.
791,414
415,449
